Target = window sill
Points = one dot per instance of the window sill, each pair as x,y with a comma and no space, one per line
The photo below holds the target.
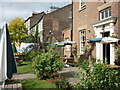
82,8
81,53
105,18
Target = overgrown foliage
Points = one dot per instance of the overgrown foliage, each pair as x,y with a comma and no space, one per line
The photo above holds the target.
30,55
28,39
100,76
17,29
117,55
36,34
62,82
46,63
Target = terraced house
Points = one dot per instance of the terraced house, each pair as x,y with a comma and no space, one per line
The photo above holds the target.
51,24
97,22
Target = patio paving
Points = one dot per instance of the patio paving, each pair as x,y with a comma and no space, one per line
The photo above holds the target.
70,73
25,76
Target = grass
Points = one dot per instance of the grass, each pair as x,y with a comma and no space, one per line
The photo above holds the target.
34,83
24,67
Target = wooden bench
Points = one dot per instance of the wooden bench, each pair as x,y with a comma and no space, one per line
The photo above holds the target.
69,60
13,87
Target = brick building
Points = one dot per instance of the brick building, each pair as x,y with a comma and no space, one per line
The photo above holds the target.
55,22
96,20
67,35
32,21
50,24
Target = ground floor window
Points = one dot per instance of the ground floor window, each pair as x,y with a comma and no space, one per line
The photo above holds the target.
82,40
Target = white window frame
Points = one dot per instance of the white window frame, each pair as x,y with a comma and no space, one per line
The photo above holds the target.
81,40
80,4
104,14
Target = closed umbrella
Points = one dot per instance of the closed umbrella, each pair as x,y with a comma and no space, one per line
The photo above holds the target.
3,57
7,62
110,40
14,48
66,43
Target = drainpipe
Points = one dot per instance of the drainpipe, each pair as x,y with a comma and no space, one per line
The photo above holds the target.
72,24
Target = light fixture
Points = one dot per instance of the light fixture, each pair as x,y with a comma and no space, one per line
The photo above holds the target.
89,30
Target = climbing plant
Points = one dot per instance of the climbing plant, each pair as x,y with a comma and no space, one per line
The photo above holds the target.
117,55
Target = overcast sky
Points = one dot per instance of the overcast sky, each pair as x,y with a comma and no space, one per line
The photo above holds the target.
10,9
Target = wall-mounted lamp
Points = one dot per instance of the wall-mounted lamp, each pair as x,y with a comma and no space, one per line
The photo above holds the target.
104,1
89,30
103,28
50,32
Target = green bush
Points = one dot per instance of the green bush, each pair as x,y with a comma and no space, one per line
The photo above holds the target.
30,55
100,76
117,55
62,82
47,63
28,39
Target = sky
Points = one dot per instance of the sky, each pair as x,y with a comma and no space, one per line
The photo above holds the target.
9,9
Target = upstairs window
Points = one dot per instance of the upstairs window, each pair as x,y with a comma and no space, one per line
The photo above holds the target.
104,14
81,4
70,13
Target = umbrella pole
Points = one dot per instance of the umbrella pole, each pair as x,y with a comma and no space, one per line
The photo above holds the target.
3,85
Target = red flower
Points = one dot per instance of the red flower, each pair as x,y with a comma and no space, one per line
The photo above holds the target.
63,78
54,74
56,79
50,81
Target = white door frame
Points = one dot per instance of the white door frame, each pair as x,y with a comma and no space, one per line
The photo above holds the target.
108,27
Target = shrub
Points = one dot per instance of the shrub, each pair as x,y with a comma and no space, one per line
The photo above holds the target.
47,63
61,82
30,55
117,55
100,76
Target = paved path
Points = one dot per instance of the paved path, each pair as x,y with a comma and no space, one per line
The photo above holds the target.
68,72
25,76
71,73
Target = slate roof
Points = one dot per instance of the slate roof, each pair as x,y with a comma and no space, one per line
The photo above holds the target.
35,19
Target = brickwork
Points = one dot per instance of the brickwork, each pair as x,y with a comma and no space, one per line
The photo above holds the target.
56,22
84,18
67,36
119,19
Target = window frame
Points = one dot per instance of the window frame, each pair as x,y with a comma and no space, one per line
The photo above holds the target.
104,14
82,40
80,4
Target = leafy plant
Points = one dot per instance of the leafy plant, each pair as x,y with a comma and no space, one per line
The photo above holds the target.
46,63
17,29
30,55
36,34
100,76
117,55
61,82
28,39
74,53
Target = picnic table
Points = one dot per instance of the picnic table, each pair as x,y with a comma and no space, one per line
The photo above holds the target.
19,58
69,61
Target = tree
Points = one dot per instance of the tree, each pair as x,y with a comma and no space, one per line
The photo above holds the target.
17,29
36,34
33,38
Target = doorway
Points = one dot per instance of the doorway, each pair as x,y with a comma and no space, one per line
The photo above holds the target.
106,53
106,48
